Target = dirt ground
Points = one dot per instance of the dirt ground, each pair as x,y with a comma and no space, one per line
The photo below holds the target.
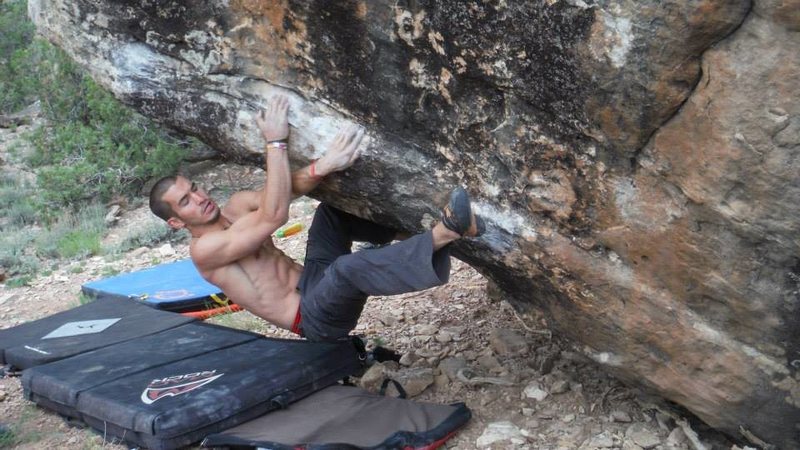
526,388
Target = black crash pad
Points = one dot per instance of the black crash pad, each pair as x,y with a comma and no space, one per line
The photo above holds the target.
172,389
59,336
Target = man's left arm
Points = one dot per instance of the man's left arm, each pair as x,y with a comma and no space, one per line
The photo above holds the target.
303,181
341,154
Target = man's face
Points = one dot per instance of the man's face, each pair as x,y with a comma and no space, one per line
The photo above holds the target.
191,204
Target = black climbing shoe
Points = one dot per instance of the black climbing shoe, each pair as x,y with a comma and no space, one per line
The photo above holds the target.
457,215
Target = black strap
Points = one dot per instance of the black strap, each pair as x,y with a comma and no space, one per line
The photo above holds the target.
280,401
383,354
397,386
73,422
361,348
9,371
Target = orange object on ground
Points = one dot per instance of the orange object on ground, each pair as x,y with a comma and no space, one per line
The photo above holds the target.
290,230
205,314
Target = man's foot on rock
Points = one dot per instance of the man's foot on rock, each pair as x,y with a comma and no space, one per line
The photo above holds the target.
457,215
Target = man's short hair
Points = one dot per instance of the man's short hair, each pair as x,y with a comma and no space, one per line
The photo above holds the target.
159,207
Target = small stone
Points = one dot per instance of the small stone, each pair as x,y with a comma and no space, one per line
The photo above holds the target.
414,381
166,250
7,297
425,330
451,366
388,319
547,363
500,432
677,439
642,436
373,377
420,340
602,440
629,445
441,381
664,421
391,366
408,359
139,252
535,392
113,215
620,416
470,355
532,424
499,370
528,412
443,337
2,396
559,387
507,342
488,398
488,362
568,418
777,111
456,332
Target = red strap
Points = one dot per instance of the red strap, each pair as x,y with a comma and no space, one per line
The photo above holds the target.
296,325
313,171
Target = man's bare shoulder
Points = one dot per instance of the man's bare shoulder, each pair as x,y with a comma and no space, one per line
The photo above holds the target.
240,204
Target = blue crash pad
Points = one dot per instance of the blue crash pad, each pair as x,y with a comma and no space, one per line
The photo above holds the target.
175,286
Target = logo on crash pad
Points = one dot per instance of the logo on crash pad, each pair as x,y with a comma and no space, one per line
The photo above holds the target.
174,294
177,385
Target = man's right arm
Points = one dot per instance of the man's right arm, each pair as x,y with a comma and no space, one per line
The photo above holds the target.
249,232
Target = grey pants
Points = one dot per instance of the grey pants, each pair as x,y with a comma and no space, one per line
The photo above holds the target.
335,282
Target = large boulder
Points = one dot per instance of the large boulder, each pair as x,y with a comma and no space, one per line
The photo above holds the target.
636,161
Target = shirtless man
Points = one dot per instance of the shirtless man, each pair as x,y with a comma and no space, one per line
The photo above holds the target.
233,249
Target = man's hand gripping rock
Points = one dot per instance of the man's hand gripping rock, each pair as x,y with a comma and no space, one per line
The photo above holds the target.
342,152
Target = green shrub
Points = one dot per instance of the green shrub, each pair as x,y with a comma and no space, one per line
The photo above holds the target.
91,149
73,235
151,234
104,151
109,271
84,299
17,201
16,253
96,147
79,244
16,89
7,438
20,281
